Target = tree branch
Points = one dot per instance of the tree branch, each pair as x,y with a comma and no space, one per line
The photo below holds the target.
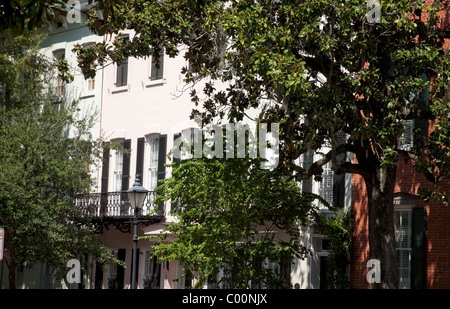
433,178
346,167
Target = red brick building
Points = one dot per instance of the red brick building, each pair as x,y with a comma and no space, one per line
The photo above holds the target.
422,233
422,229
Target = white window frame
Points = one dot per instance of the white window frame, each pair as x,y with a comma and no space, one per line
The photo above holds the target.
326,185
111,269
407,138
60,54
147,268
403,248
117,170
91,80
152,157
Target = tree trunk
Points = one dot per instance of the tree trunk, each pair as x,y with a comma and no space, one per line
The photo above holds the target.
380,192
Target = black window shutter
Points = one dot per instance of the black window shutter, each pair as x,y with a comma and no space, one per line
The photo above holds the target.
105,179
307,161
176,155
140,157
418,244
98,275
162,157
422,124
126,165
121,253
161,167
105,170
338,190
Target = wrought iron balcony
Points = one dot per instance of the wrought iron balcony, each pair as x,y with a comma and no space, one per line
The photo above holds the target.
117,205
114,209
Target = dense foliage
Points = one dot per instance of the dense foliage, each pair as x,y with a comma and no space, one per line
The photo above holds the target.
317,68
46,149
234,218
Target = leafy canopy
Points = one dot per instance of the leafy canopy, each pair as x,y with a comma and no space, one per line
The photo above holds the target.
46,148
293,59
233,216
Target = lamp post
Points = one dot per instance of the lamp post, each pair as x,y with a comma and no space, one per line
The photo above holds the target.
136,195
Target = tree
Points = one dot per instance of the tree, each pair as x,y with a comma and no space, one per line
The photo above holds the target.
233,217
46,149
17,17
318,68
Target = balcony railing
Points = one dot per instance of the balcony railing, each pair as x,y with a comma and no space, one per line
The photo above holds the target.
117,205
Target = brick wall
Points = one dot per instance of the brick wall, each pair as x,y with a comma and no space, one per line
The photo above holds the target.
437,224
437,229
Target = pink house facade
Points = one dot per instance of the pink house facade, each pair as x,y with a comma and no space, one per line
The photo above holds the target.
144,107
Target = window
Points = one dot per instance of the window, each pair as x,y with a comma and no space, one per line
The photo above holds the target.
152,271
122,69
111,275
191,143
59,55
403,229
308,157
407,138
120,168
117,172
157,67
114,272
122,73
90,81
153,153
326,186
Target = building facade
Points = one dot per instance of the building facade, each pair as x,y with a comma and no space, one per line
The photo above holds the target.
142,107
422,239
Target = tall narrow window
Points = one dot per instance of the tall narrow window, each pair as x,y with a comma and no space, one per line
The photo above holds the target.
153,154
157,66
59,55
114,275
326,186
407,138
152,271
90,81
121,166
122,73
111,273
118,168
308,157
122,69
403,246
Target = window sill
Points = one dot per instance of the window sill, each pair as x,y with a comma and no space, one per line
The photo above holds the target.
156,82
119,89
87,95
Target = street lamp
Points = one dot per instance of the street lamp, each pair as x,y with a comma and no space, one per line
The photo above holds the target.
136,196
